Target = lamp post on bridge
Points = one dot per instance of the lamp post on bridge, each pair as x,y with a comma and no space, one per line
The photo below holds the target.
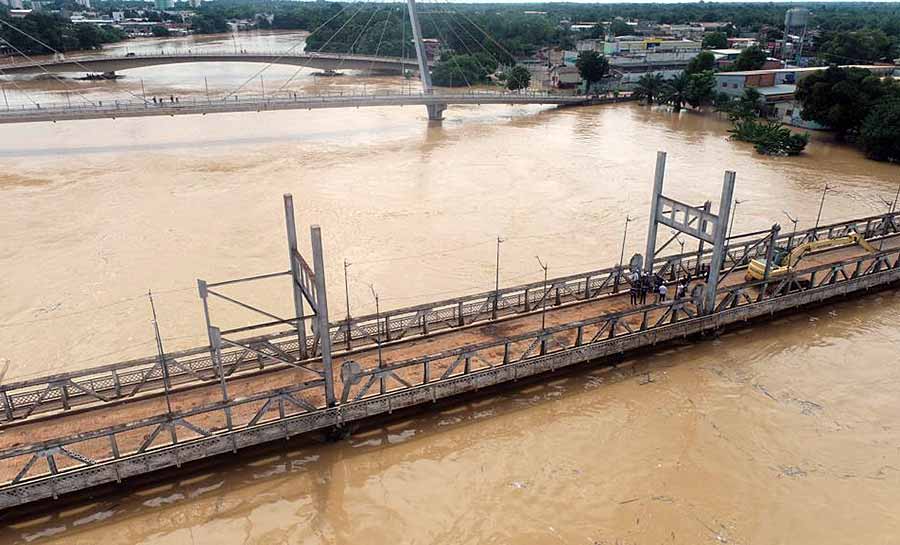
733,214
821,205
497,281
545,295
794,232
347,297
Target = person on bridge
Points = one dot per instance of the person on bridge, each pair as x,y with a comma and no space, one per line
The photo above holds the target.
635,280
644,288
661,293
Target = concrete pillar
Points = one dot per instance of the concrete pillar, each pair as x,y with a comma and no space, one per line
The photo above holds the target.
295,272
718,255
435,111
658,177
322,312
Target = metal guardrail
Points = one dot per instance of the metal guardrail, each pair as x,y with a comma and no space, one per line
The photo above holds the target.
82,460
24,399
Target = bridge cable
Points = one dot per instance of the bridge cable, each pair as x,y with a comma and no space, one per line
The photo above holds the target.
41,66
19,89
434,22
283,55
380,41
480,43
75,61
353,45
465,45
512,58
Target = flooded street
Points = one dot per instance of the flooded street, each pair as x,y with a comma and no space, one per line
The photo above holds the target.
786,432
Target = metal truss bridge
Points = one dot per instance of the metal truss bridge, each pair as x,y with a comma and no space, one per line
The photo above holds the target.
280,377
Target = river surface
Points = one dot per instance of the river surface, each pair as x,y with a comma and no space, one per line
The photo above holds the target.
782,433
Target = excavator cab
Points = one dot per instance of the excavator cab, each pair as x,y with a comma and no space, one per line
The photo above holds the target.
784,261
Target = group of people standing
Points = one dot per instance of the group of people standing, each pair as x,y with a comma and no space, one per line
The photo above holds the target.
642,283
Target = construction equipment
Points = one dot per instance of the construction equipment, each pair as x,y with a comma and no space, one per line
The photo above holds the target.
784,261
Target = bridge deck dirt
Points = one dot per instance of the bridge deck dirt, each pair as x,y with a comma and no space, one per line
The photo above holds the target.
103,416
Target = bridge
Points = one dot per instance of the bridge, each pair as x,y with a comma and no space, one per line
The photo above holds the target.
280,377
195,106
111,64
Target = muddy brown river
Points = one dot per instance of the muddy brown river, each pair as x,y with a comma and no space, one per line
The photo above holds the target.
786,432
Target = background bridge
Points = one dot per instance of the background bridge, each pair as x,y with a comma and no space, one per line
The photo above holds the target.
166,107
323,61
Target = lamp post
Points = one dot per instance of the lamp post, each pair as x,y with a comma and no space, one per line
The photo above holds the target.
897,196
733,214
544,306
624,234
377,325
347,298
821,204
161,354
497,280
794,232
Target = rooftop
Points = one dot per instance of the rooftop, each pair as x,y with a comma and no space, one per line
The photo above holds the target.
809,69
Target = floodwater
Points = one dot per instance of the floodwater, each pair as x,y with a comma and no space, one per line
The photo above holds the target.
783,433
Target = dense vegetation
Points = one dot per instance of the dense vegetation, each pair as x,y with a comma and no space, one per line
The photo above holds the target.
859,106
57,33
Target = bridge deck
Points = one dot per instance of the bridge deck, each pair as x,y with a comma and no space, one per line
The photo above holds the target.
34,431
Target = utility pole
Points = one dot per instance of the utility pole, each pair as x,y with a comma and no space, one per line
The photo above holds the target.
262,85
893,206
819,215
206,84
143,92
497,281
544,298
161,355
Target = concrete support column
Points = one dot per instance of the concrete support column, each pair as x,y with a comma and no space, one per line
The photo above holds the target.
658,177
293,252
435,111
322,326
718,255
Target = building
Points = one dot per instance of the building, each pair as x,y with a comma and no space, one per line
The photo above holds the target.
12,4
630,59
564,77
778,88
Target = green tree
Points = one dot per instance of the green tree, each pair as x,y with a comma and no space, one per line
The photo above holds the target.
619,27
701,63
751,58
715,40
592,66
855,47
518,78
879,135
769,137
160,31
701,89
649,87
460,70
841,98
676,91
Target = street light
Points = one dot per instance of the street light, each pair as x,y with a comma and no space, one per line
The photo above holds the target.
377,325
544,306
733,214
347,297
628,220
821,204
794,221
497,280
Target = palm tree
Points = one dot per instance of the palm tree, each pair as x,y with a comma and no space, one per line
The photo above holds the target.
676,91
649,87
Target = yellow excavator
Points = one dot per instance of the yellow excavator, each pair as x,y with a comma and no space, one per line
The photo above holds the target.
783,262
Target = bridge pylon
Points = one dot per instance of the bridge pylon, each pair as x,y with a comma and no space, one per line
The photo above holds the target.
435,111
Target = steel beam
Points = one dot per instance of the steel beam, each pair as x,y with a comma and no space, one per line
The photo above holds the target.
296,281
322,326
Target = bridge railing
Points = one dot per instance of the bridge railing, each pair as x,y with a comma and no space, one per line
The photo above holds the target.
221,426
60,392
